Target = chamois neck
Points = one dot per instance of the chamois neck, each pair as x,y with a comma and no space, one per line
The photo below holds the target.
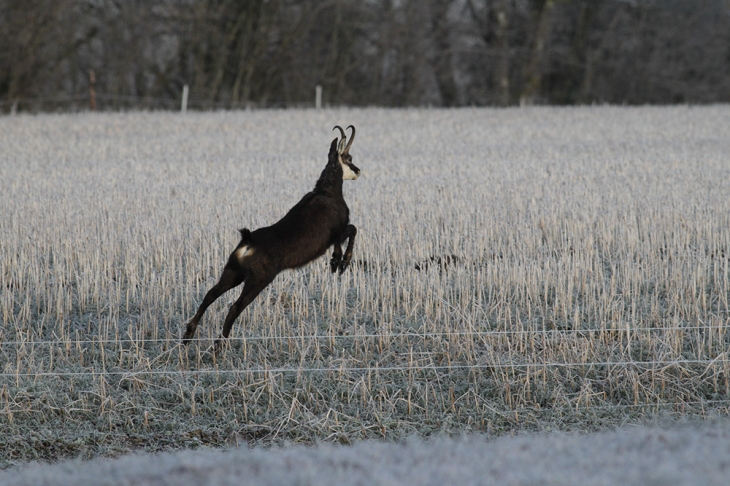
330,181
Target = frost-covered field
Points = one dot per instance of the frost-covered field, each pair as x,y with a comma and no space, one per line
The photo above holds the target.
522,269
641,456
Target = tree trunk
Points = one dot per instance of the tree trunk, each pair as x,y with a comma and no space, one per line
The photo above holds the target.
503,66
533,76
443,60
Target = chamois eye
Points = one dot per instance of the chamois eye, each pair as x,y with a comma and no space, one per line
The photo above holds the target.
302,235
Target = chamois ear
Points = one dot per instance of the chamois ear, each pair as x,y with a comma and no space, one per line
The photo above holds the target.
333,150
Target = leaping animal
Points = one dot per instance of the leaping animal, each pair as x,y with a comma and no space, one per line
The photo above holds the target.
321,219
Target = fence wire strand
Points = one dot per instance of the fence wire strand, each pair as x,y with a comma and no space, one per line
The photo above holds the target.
415,334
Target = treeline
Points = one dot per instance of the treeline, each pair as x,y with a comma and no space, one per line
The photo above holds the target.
363,52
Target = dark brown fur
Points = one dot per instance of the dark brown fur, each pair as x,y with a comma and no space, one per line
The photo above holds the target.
320,220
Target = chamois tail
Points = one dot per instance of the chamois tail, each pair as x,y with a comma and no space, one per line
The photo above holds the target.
245,236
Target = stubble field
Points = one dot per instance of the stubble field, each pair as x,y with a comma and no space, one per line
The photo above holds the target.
523,269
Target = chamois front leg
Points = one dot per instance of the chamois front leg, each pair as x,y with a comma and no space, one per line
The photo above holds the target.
336,257
350,233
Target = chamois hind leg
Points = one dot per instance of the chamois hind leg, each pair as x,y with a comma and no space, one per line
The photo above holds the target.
251,289
350,233
229,279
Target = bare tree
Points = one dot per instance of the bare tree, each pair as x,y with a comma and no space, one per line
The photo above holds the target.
382,52
542,20
37,38
443,64
492,24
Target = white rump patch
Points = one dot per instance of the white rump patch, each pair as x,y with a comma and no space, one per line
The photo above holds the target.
243,252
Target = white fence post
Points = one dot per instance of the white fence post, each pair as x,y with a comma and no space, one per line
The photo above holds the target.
92,90
318,97
184,106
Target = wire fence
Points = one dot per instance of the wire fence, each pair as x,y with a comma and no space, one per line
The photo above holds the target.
390,336
413,390
536,333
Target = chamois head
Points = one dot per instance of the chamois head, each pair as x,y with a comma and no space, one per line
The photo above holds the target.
350,172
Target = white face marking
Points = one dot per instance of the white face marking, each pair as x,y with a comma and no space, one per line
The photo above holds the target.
347,173
243,252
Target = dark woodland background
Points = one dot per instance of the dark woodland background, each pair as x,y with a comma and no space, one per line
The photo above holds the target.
236,53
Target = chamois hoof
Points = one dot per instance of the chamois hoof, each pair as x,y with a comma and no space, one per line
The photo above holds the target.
335,264
343,266
187,337
219,345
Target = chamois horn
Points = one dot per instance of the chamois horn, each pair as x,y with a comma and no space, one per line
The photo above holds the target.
343,140
352,137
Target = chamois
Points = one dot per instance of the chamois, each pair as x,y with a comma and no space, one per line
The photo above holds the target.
320,220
